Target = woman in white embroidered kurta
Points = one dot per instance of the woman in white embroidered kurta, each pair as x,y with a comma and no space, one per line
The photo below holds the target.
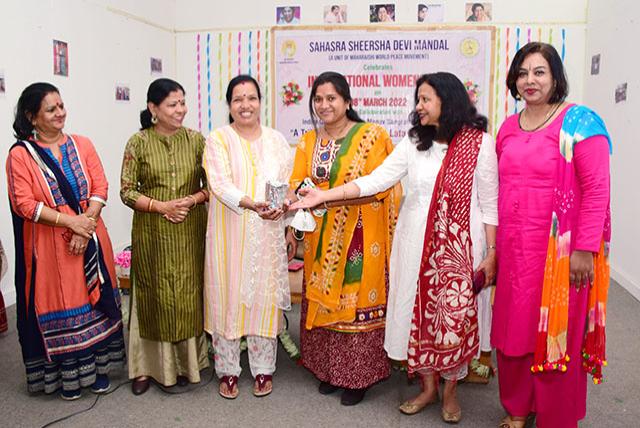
246,277
418,171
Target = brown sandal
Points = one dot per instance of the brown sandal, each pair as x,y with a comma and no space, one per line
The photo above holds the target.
231,384
263,385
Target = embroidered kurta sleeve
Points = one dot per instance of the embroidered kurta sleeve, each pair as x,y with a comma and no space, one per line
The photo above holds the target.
99,185
591,157
217,165
391,171
20,183
487,179
129,182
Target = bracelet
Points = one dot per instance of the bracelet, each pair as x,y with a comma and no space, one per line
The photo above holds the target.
57,219
195,202
150,205
91,218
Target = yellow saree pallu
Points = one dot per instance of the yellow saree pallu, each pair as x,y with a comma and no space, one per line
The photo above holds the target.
347,291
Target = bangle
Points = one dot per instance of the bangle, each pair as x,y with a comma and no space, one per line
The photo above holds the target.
195,202
150,205
91,218
324,204
344,192
57,219
298,235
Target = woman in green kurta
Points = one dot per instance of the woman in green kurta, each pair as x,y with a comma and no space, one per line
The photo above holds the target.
163,181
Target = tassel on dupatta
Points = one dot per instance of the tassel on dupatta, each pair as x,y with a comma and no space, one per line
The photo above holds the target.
550,354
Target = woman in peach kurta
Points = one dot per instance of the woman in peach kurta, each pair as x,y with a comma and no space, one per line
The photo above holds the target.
236,304
246,277
68,307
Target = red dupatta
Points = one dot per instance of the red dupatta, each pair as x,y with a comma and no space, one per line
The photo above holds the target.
444,328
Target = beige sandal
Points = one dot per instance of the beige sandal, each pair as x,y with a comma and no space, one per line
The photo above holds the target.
451,418
409,407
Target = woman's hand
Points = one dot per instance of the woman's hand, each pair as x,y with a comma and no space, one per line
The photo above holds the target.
81,225
77,245
312,197
292,244
488,265
174,210
581,268
267,213
188,202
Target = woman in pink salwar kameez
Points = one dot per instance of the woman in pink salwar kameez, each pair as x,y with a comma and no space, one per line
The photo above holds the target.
552,242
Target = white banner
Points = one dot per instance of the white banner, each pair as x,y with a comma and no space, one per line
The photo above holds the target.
382,68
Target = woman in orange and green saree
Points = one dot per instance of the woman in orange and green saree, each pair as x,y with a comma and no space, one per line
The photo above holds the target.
346,257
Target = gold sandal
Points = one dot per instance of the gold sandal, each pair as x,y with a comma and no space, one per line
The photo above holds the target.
409,407
451,418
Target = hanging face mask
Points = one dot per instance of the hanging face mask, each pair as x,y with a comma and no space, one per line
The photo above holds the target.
303,221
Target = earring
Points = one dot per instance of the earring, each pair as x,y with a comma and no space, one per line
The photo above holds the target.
154,119
34,133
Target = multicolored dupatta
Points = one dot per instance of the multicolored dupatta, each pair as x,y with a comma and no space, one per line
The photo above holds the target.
444,328
550,354
340,296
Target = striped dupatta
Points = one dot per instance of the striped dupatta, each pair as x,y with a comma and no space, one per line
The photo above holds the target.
550,354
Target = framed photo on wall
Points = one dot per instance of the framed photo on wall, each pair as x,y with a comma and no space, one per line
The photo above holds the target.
430,12
335,14
3,86
156,66
60,58
288,15
478,12
382,13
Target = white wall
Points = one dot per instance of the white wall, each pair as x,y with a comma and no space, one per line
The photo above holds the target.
196,15
107,44
612,32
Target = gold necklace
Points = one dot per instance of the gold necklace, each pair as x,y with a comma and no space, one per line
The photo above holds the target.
549,115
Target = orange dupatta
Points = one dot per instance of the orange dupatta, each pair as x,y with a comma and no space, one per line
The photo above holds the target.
360,305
